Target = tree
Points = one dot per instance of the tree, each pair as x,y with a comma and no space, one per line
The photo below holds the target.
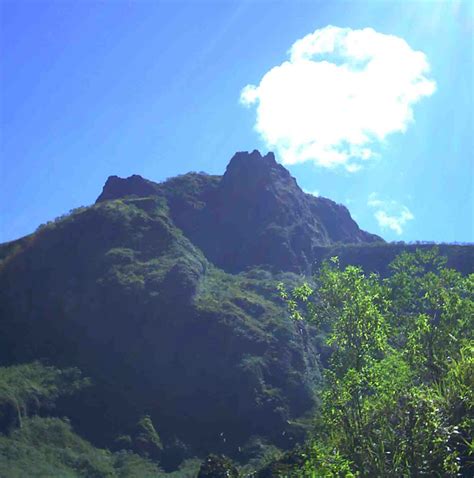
398,397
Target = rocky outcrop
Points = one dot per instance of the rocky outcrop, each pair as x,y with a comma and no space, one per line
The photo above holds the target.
135,185
255,214
259,215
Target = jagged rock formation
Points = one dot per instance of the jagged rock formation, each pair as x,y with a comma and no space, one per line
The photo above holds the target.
255,214
135,185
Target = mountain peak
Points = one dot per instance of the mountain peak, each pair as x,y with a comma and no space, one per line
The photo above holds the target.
255,161
254,158
250,172
116,187
255,214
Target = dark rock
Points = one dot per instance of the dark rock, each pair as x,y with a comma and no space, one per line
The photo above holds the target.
135,185
377,257
181,282
258,215
174,454
255,214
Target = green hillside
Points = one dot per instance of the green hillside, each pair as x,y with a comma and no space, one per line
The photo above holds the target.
167,298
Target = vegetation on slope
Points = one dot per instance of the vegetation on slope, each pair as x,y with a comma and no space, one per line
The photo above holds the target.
35,445
25,389
377,256
118,291
399,390
397,398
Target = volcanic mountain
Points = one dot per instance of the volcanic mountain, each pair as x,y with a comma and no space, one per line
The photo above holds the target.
165,295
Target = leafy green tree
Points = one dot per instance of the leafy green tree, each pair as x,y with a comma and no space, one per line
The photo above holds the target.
398,389
432,311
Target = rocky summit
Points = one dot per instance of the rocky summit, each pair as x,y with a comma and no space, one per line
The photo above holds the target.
255,214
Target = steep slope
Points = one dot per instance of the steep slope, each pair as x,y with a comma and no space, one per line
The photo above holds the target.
42,446
117,290
255,214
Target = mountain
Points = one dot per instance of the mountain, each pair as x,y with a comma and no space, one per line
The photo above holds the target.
255,214
164,294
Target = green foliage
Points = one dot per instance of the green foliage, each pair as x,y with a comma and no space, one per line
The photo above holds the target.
130,465
432,311
215,466
27,388
36,446
45,447
320,461
398,397
147,440
48,447
312,460
377,256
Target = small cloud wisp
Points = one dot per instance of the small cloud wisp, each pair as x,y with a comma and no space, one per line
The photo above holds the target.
390,214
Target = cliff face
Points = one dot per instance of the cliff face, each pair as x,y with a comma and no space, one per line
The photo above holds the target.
255,214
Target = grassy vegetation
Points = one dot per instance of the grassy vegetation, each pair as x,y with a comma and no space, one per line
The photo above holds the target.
38,446
27,388
47,447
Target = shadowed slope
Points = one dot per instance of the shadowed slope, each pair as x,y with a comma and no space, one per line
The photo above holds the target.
118,291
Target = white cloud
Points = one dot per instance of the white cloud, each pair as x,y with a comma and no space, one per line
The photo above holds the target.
341,92
390,214
313,193
374,200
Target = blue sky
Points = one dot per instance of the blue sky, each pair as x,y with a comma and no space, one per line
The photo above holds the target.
91,89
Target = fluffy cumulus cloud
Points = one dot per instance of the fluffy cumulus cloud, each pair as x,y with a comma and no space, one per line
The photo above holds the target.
341,92
390,214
